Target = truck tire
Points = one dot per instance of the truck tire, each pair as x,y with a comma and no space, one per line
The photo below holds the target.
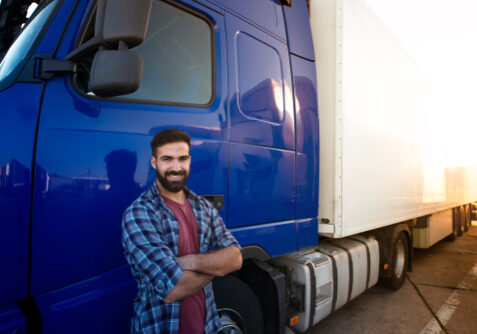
467,217
455,225
238,306
399,262
461,220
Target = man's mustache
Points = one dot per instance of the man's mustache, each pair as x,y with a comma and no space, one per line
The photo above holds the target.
181,172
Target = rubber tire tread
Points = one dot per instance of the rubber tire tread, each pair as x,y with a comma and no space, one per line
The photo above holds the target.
232,293
461,224
466,217
455,227
394,282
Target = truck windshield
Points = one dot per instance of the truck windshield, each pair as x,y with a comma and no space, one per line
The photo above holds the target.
18,51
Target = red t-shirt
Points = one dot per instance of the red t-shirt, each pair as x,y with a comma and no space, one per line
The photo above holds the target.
192,309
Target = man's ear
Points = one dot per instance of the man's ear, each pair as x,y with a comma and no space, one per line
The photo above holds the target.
153,161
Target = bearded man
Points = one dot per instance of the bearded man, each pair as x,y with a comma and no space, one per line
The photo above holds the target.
168,236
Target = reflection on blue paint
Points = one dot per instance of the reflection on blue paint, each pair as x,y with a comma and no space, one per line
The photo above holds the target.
91,306
277,238
12,320
261,187
17,134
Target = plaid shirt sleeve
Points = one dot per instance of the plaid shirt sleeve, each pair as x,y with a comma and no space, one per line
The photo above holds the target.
221,236
147,251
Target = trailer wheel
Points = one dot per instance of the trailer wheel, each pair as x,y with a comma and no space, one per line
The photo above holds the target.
238,306
455,225
399,262
467,217
461,220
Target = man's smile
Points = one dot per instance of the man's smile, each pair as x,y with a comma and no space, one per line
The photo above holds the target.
175,177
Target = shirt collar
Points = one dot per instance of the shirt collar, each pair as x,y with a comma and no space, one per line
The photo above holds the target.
190,195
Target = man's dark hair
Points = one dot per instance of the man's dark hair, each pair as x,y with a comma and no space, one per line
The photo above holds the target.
169,136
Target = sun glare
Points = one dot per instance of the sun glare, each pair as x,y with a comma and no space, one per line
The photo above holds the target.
441,39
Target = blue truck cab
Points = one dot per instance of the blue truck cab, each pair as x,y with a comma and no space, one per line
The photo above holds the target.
238,76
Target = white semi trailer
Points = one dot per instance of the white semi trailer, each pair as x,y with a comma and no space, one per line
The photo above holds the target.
386,184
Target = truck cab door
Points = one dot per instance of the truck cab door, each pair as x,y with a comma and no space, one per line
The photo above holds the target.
93,160
20,102
262,121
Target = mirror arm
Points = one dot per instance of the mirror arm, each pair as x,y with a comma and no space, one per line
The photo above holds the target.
52,67
122,46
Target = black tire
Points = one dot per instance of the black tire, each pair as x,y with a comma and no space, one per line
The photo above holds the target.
399,262
467,217
237,301
455,225
461,221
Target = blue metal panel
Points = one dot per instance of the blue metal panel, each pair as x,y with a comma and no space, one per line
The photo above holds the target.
52,37
261,185
261,101
300,41
307,232
101,304
307,136
84,181
93,160
12,320
86,178
17,135
277,238
265,13
74,28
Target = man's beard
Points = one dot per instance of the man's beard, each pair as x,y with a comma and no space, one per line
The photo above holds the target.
174,186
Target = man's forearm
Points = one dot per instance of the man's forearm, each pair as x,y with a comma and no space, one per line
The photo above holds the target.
215,263
188,284
200,269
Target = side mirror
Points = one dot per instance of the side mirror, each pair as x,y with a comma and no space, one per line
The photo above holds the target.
116,20
122,20
119,25
115,73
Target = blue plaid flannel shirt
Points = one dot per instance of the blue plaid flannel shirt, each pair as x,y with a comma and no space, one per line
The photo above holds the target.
150,239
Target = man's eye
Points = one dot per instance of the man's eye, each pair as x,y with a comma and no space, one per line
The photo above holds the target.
184,158
165,159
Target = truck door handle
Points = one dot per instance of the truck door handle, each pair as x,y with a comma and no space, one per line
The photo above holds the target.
216,200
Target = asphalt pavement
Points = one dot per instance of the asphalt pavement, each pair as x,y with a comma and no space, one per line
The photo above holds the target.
438,296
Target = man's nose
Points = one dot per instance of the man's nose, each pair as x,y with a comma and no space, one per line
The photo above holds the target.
175,165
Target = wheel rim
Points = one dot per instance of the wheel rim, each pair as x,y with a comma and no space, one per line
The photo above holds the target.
232,322
400,259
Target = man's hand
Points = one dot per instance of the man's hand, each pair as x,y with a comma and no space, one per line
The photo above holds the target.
200,269
215,263
189,283
185,262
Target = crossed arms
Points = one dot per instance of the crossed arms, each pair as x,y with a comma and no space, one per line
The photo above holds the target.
200,269
174,278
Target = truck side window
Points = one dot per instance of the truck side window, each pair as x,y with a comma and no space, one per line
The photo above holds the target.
178,58
22,47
